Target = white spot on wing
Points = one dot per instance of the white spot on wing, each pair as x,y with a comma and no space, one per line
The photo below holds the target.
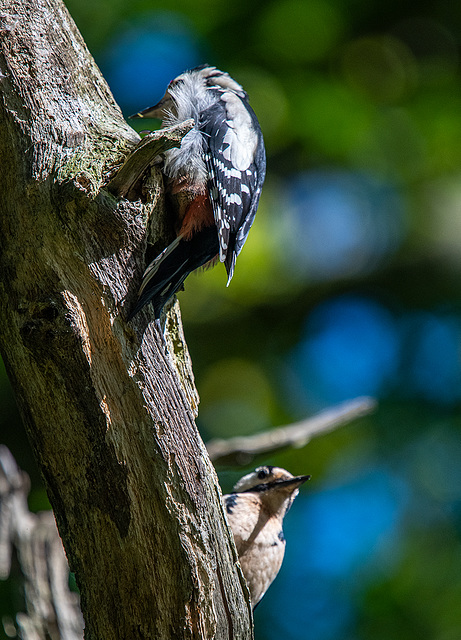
233,198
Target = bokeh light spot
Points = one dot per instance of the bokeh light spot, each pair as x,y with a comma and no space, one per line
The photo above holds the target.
433,45
350,348
354,520
435,464
432,366
440,201
341,224
383,68
330,117
146,55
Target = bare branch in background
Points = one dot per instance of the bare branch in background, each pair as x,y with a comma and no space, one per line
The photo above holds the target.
241,451
52,610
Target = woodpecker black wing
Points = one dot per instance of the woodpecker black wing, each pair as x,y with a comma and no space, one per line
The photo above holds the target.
166,274
236,165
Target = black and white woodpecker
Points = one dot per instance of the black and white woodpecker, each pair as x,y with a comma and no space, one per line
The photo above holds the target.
255,512
215,176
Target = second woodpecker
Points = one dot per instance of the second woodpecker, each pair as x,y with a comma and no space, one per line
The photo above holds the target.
216,176
255,512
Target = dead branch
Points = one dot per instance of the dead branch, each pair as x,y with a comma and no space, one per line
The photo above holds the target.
241,451
52,610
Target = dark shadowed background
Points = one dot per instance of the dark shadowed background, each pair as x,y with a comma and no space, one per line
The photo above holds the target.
349,284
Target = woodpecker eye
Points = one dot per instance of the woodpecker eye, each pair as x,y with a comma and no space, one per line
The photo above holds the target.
263,473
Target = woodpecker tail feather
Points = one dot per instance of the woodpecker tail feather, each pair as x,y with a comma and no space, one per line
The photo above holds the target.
165,275
230,259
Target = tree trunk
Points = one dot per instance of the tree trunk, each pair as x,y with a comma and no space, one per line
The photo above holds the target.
109,406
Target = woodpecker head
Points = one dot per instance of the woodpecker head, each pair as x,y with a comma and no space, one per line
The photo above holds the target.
190,82
275,487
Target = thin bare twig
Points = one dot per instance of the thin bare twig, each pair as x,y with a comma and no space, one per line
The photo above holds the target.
52,609
242,450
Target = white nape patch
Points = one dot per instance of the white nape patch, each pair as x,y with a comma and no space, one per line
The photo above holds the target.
240,137
226,82
191,97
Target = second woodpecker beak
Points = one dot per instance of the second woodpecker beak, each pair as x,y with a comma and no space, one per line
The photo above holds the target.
292,483
297,481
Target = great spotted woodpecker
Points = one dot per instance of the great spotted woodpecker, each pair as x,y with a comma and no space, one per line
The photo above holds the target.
216,176
255,512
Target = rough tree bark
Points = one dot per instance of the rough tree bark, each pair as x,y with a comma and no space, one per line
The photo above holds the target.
109,407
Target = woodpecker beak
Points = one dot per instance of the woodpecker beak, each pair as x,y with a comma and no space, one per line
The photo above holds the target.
295,482
158,110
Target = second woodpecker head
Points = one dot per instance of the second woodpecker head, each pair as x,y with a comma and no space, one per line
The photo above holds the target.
274,485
